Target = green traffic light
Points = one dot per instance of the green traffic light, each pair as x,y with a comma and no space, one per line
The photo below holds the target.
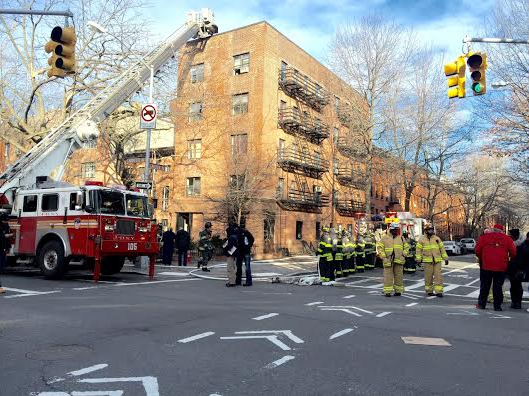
477,87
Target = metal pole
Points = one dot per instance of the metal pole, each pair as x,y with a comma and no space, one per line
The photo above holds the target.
148,139
494,40
66,13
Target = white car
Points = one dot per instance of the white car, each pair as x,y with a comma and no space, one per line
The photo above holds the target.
452,248
468,244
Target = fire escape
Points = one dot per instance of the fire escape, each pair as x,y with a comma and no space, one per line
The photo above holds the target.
301,159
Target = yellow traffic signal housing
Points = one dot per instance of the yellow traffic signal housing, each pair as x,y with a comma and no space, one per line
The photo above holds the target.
455,71
62,48
477,64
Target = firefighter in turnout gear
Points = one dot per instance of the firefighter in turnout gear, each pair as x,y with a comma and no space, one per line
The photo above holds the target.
205,247
360,253
409,266
431,252
325,255
393,249
348,254
338,255
370,250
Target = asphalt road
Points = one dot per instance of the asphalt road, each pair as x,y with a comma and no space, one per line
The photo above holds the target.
180,335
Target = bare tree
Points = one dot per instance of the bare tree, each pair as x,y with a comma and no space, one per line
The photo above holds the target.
370,54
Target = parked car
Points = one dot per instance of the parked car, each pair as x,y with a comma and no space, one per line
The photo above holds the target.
452,247
468,244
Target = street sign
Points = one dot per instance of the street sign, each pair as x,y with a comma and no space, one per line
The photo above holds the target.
389,220
148,115
143,185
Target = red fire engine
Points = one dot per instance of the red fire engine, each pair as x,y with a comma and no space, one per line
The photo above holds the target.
57,224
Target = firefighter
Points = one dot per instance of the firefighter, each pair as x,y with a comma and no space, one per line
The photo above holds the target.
205,247
370,244
338,255
325,254
348,253
332,264
431,252
409,266
360,254
393,249
379,233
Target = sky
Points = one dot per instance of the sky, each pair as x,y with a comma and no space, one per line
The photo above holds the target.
311,24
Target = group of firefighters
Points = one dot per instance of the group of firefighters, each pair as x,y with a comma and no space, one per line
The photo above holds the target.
342,254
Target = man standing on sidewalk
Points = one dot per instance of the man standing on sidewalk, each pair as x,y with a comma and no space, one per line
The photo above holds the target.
430,251
182,244
230,250
494,250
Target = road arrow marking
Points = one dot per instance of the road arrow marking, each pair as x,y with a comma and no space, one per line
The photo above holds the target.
341,333
342,309
279,362
271,315
196,337
150,384
272,338
287,333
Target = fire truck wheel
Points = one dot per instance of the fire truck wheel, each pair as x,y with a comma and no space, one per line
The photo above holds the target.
52,262
112,265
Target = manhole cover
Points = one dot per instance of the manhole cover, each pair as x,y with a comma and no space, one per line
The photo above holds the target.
58,352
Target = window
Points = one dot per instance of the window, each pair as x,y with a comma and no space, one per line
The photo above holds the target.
240,104
318,230
299,230
137,205
165,223
280,186
283,70
336,104
165,198
292,190
197,73
239,144
50,202
30,203
192,186
241,63
282,109
194,148
237,182
7,149
75,200
91,144
195,111
335,133
88,170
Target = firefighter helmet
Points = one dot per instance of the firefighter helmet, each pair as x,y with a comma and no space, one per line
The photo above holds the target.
208,224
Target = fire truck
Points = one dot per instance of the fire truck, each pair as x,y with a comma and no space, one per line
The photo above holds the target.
56,224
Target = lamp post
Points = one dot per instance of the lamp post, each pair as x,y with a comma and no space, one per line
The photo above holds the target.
100,29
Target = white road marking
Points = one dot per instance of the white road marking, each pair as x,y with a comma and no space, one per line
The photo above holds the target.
358,281
98,393
463,313
380,315
31,294
363,310
415,285
373,292
270,315
174,273
279,362
412,304
196,337
410,297
288,333
425,341
474,294
498,316
88,370
431,297
461,269
85,288
471,283
377,286
150,384
343,310
272,338
314,303
340,333
350,296
447,288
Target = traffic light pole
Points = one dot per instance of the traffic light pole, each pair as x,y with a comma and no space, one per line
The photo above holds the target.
494,40
66,13
148,138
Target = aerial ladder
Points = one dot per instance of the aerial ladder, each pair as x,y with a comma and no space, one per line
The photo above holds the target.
52,152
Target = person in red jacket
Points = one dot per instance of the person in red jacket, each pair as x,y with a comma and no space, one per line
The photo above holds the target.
494,250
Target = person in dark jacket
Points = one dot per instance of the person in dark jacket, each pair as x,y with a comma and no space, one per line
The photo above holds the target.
230,250
182,244
168,240
519,271
245,241
494,250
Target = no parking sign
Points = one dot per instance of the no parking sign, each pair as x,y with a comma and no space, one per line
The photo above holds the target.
148,115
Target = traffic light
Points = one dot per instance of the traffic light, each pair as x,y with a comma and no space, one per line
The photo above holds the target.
62,48
455,72
477,63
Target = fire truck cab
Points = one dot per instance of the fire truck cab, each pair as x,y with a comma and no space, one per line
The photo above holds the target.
56,224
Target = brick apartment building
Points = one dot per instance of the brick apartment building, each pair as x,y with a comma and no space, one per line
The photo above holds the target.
250,102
